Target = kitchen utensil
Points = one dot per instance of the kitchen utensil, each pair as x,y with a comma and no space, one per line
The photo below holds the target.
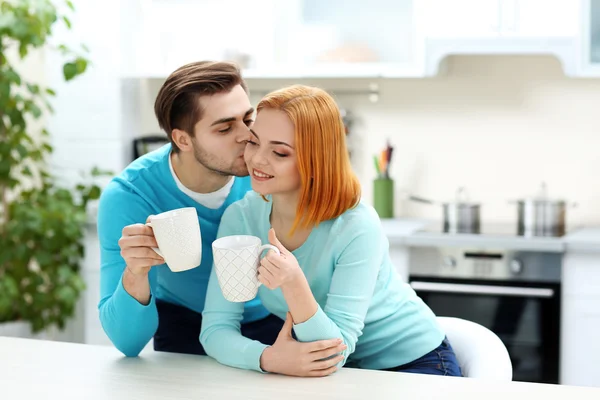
383,160
460,216
541,215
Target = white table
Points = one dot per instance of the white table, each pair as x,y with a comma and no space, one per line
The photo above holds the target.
33,369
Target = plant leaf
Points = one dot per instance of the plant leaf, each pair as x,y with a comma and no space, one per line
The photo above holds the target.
22,150
23,50
94,193
69,71
35,111
81,64
12,76
33,89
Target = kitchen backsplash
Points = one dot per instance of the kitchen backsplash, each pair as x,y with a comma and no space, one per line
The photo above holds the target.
496,125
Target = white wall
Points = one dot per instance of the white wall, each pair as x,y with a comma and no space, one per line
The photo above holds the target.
496,125
86,130
86,125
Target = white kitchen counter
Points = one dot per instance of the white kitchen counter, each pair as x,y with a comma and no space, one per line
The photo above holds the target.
52,370
409,232
398,230
586,240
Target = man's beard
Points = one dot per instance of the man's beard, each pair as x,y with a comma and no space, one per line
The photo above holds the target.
213,164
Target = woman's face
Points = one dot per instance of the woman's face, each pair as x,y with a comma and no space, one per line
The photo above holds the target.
270,154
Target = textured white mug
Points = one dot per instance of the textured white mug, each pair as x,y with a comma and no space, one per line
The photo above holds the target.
236,261
177,234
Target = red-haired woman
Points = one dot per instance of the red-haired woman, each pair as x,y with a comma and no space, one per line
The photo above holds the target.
334,278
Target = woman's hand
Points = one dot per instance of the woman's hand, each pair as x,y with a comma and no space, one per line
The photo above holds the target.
290,357
278,270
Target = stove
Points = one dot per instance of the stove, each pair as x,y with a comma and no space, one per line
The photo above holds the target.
492,229
506,282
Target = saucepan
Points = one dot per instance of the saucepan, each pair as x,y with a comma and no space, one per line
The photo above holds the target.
460,216
541,215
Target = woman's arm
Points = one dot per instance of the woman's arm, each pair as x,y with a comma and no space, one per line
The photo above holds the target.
221,336
222,339
350,293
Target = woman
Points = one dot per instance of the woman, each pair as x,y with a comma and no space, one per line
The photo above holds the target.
334,277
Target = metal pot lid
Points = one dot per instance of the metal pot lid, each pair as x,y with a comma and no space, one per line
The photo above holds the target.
461,204
542,201
461,199
542,197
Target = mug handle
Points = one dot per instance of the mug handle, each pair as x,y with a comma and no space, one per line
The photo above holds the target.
265,247
270,247
156,249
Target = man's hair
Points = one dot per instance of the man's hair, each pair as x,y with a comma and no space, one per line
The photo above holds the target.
177,104
329,186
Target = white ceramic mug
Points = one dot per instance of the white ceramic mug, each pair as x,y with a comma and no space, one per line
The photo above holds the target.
236,262
177,234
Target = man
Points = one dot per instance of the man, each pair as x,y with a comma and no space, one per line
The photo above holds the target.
204,109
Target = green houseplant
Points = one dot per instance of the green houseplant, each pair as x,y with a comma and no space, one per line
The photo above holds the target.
42,223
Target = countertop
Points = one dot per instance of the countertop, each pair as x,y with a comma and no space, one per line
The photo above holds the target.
586,240
414,232
33,369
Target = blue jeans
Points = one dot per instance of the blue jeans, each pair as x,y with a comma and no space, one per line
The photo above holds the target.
179,329
440,361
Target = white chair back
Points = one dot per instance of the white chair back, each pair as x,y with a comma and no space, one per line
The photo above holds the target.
480,353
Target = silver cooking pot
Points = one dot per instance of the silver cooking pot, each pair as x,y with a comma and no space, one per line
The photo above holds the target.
460,216
541,215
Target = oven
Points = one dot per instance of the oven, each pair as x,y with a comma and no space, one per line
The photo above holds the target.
515,294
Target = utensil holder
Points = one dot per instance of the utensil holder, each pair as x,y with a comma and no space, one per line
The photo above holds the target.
383,197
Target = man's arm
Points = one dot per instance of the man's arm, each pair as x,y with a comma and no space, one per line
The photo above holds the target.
127,310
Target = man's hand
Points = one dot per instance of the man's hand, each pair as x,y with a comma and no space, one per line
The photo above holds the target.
136,245
290,357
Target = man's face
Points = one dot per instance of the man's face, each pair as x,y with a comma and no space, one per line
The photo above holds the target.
220,136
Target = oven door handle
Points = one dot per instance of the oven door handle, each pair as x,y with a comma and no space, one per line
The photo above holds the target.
482,289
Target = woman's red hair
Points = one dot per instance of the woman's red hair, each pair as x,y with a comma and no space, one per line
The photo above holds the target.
329,186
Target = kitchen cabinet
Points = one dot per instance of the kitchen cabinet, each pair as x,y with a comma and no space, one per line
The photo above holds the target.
461,18
557,18
344,38
161,35
594,32
496,27
399,255
352,38
276,39
496,18
590,38
580,318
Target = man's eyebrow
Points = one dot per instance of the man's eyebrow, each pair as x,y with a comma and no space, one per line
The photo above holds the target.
231,119
272,141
